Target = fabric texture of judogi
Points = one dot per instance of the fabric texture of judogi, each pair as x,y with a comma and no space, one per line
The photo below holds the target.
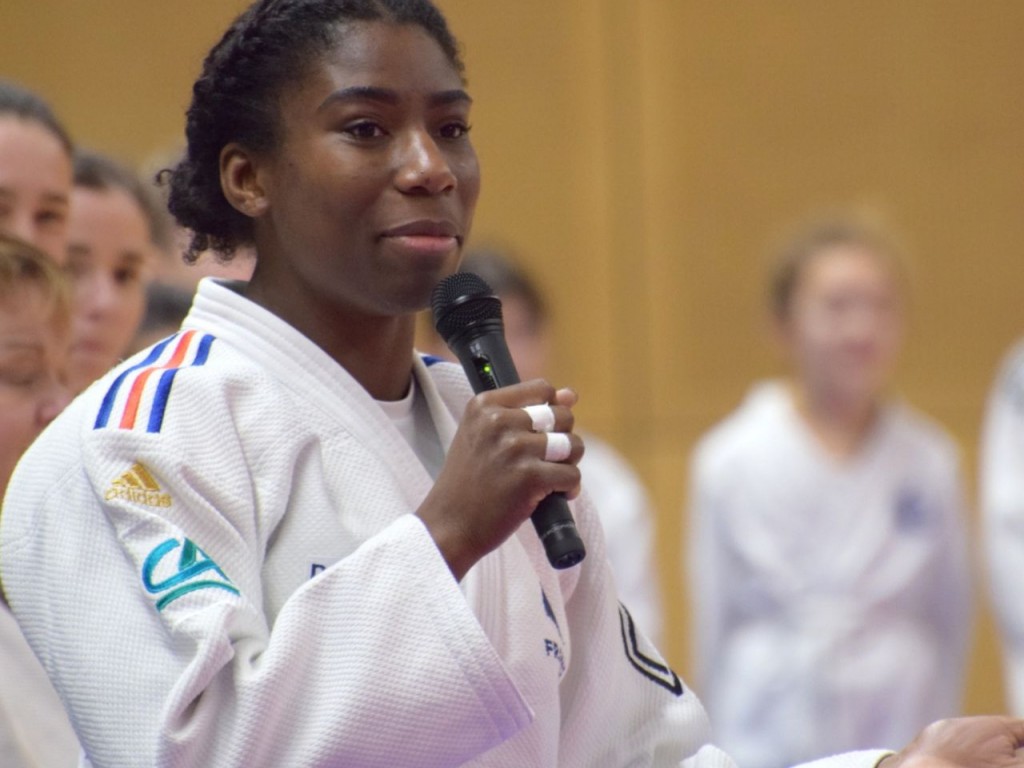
1001,479
831,597
213,553
34,730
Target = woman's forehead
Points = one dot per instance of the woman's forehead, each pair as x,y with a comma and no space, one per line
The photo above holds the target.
843,259
403,56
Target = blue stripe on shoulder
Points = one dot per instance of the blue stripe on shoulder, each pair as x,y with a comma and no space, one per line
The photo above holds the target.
203,353
163,391
163,388
108,400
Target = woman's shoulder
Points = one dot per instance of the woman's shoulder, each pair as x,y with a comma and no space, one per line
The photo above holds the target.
1009,382
189,388
749,427
1013,359
921,433
191,363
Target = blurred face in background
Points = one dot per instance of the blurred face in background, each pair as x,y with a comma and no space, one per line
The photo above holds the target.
110,258
526,337
525,334
35,185
33,353
843,326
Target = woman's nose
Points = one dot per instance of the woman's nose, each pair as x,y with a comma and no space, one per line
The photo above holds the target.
424,166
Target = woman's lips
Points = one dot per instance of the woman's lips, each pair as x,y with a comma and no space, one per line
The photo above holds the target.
425,236
425,227
425,243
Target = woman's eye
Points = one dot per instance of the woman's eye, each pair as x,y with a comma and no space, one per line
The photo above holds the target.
365,130
454,130
19,376
50,218
125,276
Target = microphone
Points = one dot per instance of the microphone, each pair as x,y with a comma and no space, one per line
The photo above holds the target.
467,315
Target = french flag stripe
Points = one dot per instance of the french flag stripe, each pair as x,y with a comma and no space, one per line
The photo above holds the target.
163,389
131,410
107,407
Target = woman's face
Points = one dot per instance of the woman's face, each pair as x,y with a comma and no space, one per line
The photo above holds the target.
845,323
35,183
371,192
110,256
33,353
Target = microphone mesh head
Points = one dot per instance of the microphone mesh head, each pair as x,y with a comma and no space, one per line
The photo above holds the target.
461,300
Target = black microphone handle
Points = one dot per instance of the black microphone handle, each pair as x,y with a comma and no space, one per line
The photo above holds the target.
488,365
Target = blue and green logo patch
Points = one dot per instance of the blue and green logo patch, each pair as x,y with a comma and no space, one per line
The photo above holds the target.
194,570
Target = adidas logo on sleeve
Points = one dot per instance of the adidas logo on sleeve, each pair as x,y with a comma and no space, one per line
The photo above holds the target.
137,485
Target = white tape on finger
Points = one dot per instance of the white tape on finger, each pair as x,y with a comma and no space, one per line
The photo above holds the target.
559,447
542,416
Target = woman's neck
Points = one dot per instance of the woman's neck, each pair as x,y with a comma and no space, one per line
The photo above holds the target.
841,424
378,355
376,351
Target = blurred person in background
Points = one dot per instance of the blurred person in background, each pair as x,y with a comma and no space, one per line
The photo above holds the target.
167,305
34,331
618,494
828,558
35,171
1001,482
118,231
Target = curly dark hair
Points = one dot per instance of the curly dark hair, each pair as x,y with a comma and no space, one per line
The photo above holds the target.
235,99
23,103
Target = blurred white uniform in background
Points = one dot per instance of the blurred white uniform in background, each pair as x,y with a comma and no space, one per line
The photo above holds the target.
832,597
1001,479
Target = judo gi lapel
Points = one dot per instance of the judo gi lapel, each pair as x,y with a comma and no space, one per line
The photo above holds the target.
443,414
281,350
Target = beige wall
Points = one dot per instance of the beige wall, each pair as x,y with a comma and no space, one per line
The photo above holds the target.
641,154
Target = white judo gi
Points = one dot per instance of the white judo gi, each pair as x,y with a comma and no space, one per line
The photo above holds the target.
213,553
628,525
832,598
34,730
1001,479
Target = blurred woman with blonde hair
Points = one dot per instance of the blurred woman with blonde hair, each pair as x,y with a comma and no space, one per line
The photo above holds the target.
34,323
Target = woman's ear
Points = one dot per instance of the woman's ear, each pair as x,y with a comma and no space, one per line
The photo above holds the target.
242,181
